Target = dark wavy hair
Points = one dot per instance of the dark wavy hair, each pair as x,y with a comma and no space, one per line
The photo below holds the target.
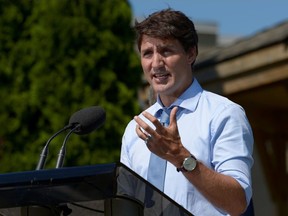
168,24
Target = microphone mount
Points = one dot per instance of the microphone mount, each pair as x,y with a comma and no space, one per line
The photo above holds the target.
62,152
45,151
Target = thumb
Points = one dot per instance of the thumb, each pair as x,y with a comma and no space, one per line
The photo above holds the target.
173,115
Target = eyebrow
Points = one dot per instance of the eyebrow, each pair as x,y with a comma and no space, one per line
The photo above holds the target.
159,47
165,46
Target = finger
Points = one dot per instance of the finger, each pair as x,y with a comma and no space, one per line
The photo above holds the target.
173,114
152,119
141,134
138,131
139,121
144,136
144,126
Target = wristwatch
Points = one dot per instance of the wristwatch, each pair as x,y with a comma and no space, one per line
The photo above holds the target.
188,165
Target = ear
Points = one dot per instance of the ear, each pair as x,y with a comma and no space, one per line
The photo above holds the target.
191,55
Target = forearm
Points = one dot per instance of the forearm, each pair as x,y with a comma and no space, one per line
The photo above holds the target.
222,191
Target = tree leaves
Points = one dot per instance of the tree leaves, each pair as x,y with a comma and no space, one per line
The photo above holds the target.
56,58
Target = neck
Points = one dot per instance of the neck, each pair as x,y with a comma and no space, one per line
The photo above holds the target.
168,99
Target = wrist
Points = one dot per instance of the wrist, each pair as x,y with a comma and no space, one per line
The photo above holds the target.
188,165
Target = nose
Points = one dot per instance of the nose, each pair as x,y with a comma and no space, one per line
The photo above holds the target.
157,61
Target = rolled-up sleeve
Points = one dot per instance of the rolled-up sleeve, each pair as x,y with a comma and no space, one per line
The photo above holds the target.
232,139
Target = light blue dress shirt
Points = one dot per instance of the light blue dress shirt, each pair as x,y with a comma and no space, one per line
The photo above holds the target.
215,130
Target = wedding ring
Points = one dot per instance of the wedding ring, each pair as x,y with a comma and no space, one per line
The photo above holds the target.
147,139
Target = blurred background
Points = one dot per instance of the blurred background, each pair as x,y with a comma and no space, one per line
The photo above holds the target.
57,57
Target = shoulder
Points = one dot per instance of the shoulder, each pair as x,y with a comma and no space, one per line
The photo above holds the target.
219,102
222,110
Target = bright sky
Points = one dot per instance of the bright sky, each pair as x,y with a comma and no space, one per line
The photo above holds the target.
233,17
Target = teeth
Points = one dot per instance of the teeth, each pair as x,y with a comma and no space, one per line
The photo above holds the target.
160,75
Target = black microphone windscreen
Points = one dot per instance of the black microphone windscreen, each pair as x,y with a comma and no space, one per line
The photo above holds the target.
89,119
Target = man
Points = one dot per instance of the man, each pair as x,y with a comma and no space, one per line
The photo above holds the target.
208,144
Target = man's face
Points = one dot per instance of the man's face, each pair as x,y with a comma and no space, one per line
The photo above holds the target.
166,65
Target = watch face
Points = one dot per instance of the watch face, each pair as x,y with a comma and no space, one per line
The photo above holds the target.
189,163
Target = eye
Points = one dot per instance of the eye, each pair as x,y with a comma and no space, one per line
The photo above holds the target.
166,52
147,54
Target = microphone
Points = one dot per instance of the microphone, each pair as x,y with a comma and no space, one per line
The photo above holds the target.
83,121
88,119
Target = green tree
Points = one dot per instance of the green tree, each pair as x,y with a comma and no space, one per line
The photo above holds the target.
58,57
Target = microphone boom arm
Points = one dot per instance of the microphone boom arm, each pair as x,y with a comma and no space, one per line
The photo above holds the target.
45,151
62,152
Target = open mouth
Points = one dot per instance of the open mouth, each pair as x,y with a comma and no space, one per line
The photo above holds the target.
161,77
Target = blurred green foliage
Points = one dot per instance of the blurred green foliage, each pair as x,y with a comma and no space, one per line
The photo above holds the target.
57,57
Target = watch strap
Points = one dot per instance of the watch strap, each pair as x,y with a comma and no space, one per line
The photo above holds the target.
181,169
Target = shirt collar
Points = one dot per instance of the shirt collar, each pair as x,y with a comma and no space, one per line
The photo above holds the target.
188,100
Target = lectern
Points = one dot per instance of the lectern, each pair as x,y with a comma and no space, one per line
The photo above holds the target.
101,190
